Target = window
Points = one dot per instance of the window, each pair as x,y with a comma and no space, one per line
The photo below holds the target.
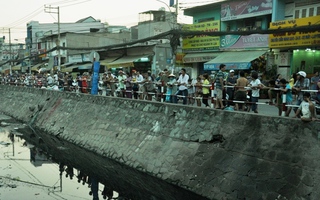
311,12
304,13
296,14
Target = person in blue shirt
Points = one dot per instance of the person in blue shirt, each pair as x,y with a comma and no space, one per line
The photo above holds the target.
285,88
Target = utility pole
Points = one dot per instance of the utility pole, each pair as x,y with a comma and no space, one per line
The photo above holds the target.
10,52
56,10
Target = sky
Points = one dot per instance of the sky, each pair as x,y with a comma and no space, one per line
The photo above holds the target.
15,14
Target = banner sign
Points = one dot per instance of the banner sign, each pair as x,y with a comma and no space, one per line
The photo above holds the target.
244,42
201,42
294,39
95,78
244,9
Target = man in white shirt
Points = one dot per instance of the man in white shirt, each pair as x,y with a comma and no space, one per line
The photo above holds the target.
140,79
183,89
122,78
49,80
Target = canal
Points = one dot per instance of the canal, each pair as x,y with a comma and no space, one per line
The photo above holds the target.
37,165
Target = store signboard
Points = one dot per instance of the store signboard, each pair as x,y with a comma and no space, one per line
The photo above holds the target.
201,42
244,9
294,39
244,42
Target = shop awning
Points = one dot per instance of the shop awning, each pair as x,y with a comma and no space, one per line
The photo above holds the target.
239,60
69,69
108,60
36,67
77,67
199,57
128,61
6,70
16,68
86,66
67,64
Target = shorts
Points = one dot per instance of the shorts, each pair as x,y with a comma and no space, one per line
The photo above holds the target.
240,95
219,93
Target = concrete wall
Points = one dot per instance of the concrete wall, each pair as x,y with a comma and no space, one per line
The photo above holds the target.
216,154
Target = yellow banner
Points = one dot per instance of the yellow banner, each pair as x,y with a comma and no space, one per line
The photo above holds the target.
294,39
201,42
295,22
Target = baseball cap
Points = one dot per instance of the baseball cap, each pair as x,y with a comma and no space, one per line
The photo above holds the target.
231,71
302,73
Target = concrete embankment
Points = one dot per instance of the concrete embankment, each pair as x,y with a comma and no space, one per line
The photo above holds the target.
212,153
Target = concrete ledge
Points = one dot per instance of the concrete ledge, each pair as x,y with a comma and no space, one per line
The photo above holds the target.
216,154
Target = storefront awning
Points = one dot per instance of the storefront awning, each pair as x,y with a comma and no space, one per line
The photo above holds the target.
77,67
239,60
36,67
199,57
86,66
128,61
69,69
67,64
16,68
108,60
6,70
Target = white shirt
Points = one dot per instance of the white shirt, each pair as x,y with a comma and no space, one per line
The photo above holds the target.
255,83
50,80
304,107
183,81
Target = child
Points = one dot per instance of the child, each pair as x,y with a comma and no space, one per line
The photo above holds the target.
307,108
285,88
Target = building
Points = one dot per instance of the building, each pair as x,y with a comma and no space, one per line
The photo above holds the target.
258,52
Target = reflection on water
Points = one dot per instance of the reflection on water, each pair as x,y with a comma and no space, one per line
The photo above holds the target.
27,172
64,170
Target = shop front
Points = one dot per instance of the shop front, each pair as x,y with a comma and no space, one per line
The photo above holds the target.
301,48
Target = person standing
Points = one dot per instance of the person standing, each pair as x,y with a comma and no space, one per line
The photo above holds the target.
313,84
302,83
255,85
231,81
171,88
205,90
183,90
122,78
219,81
285,88
129,84
241,92
110,82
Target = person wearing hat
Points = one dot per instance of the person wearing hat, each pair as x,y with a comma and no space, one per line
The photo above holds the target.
302,83
171,88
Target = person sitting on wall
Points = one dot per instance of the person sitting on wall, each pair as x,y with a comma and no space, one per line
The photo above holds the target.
307,108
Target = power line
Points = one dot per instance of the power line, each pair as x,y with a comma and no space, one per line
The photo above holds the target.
26,18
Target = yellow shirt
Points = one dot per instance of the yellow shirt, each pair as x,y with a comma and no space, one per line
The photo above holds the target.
205,90
291,82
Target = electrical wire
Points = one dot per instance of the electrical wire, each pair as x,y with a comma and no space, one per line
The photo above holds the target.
26,18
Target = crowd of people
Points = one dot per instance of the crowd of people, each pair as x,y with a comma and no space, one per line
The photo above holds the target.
224,90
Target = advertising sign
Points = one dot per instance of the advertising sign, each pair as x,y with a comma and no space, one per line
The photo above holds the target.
201,42
294,39
243,9
244,42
